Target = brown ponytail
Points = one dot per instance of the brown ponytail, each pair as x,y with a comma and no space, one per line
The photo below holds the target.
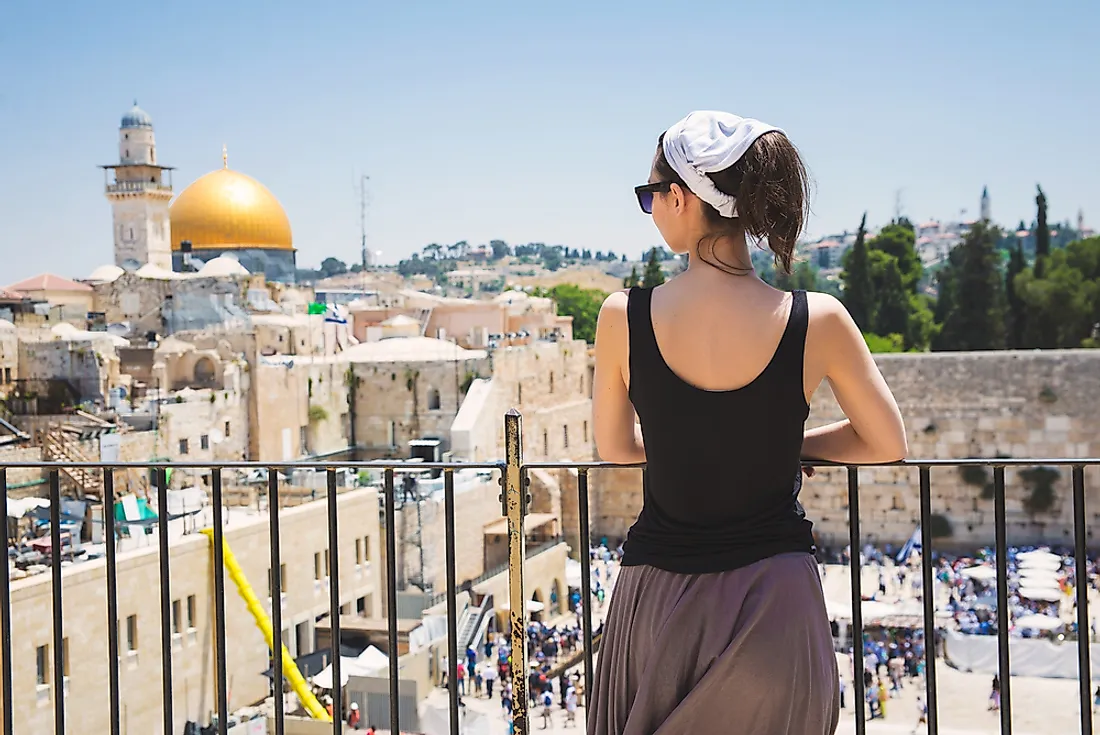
772,191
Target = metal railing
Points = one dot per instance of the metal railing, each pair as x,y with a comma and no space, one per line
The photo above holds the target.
515,500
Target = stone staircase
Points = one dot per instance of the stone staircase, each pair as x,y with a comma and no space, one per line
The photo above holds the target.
59,446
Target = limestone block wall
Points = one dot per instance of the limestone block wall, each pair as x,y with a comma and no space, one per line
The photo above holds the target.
399,401
304,537
1042,404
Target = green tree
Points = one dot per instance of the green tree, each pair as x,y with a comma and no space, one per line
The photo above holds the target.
975,319
333,267
551,258
899,240
1042,229
583,304
1065,301
803,277
500,249
891,298
632,280
653,275
859,297
1014,329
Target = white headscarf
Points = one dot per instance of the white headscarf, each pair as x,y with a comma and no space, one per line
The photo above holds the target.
705,142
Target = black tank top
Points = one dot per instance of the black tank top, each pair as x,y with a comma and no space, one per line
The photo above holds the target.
722,477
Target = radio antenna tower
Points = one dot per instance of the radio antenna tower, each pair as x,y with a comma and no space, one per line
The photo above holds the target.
897,205
363,219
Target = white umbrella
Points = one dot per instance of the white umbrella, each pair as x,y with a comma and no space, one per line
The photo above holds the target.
1038,554
980,572
1041,594
1038,573
1038,622
1041,562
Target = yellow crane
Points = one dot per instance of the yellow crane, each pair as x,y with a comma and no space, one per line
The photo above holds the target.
263,622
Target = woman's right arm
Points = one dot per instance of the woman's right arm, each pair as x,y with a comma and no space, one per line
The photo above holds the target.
873,431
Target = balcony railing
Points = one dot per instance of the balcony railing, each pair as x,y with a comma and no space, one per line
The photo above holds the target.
119,187
514,499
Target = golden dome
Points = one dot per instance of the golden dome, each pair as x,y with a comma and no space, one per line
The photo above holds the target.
226,210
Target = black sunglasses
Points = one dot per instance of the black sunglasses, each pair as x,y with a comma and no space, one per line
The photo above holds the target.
646,191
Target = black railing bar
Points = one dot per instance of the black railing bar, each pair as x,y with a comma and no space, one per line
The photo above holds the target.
1081,588
275,582
334,606
1001,550
452,602
112,601
400,465
928,598
824,464
586,580
57,554
856,570
221,681
391,599
165,599
5,603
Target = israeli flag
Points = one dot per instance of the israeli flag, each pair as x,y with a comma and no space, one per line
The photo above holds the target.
333,315
913,544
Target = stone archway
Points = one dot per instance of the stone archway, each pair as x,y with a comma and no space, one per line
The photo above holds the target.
204,372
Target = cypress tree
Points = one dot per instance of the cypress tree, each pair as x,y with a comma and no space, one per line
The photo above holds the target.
631,280
1042,232
653,275
1014,338
858,288
976,319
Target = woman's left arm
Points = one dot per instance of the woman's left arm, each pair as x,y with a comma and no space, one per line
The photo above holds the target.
618,436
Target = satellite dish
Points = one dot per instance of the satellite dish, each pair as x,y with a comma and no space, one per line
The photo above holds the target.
130,265
216,437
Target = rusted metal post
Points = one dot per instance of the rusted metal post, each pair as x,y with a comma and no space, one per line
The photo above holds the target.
515,504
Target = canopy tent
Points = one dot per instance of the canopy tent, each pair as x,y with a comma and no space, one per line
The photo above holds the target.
1038,622
532,606
980,573
369,663
1039,554
1041,562
1041,594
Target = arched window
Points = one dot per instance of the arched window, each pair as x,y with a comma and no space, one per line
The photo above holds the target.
433,399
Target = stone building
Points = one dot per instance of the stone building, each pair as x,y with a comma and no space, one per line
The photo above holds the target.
305,585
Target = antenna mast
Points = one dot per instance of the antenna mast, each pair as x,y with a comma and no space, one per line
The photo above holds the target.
363,219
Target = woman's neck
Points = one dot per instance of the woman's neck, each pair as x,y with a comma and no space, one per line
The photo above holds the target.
727,256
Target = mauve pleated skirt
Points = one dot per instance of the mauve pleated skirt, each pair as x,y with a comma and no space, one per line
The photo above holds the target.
748,652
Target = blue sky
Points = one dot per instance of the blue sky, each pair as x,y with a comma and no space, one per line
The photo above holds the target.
533,121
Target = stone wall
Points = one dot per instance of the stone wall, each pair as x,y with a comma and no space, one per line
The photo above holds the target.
1013,404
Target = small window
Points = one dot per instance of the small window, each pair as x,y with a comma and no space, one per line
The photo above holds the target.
358,552
204,441
42,663
183,446
551,382
127,152
581,381
519,394
65,657
434,401
366,548
177,617
131,633
282,581
585,432
125,136
131,233
226,429
361,606
326,564
545,443
565,437
317,568
191,612
7,375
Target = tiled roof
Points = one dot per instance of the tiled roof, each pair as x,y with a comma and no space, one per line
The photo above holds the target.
48,282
